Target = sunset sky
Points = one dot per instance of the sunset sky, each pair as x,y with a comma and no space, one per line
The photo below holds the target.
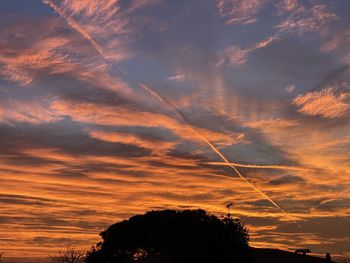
84,145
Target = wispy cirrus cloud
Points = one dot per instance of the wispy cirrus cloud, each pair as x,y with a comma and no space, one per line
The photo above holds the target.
287,5
21,111
233,56
301,19
76,26
323,103
157,146
307,19
105,24
236,56
21,66
338,43
51,51
239,11
278,123
112,115
177,77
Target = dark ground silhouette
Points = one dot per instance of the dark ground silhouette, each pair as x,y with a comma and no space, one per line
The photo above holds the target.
189,236
263,255
174,237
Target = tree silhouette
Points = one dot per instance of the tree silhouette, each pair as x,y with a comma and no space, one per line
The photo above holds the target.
172,236
70,255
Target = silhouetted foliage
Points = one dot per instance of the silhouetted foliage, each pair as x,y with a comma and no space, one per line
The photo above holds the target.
173,236
70,255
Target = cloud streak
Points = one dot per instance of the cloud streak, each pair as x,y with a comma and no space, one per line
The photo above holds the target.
256,166
157,146
75,26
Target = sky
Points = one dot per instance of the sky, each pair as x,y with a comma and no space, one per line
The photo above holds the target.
87,141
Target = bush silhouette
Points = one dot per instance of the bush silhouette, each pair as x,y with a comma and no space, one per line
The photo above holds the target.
70,255
172,236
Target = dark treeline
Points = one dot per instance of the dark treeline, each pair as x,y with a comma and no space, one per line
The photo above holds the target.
167,236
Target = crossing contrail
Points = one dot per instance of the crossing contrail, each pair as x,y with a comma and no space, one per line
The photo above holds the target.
256,166
75,26
215,149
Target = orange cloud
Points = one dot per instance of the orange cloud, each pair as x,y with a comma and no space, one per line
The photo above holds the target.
276,123
23,67
115,115
44,193
151,144
105,24
323,103
52,53
12,111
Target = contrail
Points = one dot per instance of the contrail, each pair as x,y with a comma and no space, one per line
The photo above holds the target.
75,26
215,149
256,166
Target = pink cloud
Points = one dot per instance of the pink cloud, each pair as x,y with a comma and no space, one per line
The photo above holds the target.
233,56
237,56
239,11
287,5
303,20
